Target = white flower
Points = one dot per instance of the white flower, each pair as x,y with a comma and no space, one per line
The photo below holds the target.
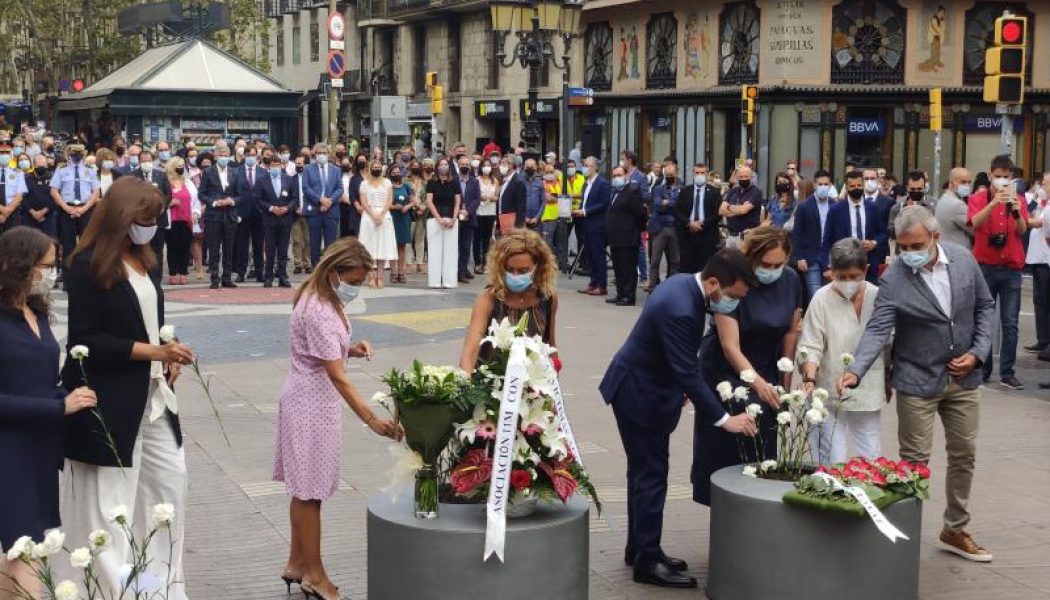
67,590
555,442
99,539
798,397
750,471
803,355
748,376
815,416
784,365
23,547
119,514
163,515
533,416
51,545
753,409
817,404
820,394
523,451
741,393
80,558
167,333
725,390
501,334
767,465
847,359
79,352
785,418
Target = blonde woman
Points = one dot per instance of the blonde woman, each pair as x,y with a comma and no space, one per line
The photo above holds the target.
377,224
522,277
310,424
107,172
183,214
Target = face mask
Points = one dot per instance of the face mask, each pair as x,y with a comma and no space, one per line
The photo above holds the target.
345,168
250,161
4,159
223,161
570,171
823,191
133,161
783,188
192,160
518,160
855,193
486,170
1000,182
395,179
916,196
23,164
725,305
298,168
767,276
548,177
19,150
322,159
517,283
962,190
848,289
474,164
180,170
585,171
46,283
107,165
239,150
275,172
75,158
376,172
284,156
362,166
744,183
164,155
530,171
504,169
141,235
40,171
147,167
346,292
464,171
622,164
617,183
916,259
494,160
871,186
119,150
443,170
700,180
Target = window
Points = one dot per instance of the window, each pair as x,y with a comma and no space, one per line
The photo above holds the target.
980,34
419,58
738,42
660,47
315,38
297,44
867,42
597,59
497,46
279,43
453,56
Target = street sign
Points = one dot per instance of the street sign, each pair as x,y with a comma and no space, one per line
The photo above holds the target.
578,92
337,83
336,26
337,44
336,64
581,101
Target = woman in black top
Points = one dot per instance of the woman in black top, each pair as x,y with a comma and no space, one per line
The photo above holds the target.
32,404
443,201
38,206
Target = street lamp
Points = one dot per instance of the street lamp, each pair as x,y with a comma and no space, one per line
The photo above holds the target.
536,23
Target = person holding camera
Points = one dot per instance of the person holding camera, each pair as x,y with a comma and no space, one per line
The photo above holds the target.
999,218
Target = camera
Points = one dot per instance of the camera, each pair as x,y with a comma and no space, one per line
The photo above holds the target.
997,240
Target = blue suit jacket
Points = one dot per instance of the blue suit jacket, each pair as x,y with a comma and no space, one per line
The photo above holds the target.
265,198
807,243
246,206
470,193
838,227
658,363
313,190
597,205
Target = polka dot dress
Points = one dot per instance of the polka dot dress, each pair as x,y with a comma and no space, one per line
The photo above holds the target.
309,424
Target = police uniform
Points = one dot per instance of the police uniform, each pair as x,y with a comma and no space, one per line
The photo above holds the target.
76,183
12,189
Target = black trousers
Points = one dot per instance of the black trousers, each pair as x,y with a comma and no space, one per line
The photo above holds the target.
466,243
483,239
220,233
179,239
70,230
647,465
1041,302
249,234
277,233
625,268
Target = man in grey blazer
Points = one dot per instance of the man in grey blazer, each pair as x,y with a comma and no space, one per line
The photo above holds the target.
936,304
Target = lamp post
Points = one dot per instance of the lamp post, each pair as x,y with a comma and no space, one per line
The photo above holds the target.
535,23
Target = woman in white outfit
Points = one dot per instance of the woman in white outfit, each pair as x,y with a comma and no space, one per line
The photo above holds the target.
116,310
377,224
834,323
443,201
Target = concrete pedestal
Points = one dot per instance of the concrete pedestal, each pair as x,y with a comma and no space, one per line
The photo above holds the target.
762,548
546,553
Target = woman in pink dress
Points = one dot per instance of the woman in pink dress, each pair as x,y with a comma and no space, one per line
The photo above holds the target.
310,423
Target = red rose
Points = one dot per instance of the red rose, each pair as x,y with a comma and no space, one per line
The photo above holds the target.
904,465
922,471
878,479
520,479
836,473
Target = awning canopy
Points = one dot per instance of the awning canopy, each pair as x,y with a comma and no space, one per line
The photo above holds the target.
393,127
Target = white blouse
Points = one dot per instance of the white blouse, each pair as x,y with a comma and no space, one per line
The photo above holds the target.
160,395
831,328
486,208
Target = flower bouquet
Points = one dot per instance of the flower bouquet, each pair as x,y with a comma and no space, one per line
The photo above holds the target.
883,480
429,400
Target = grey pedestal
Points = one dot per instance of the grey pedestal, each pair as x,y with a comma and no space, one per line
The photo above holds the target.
408,558
762,548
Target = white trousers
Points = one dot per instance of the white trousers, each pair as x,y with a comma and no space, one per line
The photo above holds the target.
860,429
442,255
157,474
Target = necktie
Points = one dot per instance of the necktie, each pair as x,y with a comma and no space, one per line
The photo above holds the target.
324,177
696,204
76,184
251,177
3,186
858,231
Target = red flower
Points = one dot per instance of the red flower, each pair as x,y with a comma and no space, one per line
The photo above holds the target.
922,471
878,479
860,476
904,465
520,479
563,481
835,473
821,469
557,363
475,469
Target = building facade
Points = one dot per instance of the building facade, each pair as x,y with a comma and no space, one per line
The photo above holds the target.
840,82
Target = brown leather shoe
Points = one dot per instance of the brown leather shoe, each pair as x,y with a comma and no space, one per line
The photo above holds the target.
586,290
597,292
960,543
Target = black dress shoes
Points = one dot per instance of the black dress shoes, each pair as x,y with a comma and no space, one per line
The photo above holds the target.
676,564
661,574
215,285
284,283
229,284
240,279
613,301
625,303
268,284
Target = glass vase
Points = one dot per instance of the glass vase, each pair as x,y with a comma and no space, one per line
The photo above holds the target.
426,493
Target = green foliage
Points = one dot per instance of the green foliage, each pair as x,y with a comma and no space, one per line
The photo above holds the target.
427,384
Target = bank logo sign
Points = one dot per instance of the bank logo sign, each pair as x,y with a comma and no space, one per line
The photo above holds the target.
866,128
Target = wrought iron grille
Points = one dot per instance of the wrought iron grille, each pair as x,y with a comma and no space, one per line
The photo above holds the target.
867,42
660,48
738,30
598,66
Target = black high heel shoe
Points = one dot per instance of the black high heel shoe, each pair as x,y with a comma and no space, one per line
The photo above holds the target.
289,580
311,593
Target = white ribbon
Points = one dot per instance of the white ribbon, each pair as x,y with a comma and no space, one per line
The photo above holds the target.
161,396
880,520
559,406
503,459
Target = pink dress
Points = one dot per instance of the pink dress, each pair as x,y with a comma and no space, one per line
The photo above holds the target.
310,420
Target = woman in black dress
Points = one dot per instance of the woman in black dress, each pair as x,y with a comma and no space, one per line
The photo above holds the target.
763,329
32,403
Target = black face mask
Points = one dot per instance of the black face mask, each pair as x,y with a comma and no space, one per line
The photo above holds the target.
179,170
40,171
417,172
464,171
744,183
298,168
783,188
361,166
530,171
395,179
856,193
669,179
345,168
119,150
916,196
376,172
340,155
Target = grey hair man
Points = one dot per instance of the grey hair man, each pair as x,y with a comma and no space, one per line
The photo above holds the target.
937,302
952,207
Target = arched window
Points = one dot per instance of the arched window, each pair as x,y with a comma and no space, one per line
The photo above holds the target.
738,29
980,33
661,48
597,60
867,42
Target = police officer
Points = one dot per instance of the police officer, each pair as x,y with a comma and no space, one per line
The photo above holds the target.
75,189
12,188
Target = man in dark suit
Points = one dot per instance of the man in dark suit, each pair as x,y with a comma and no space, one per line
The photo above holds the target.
697,217
885,212
322,189
276,199
624,224
470,192
512,193
807,237
219,190
645,383
153,174
593,208
250,228
859,218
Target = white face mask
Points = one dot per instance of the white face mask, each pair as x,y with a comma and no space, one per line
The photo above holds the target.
871,186
146,167
504,169
1001,182
141,234
700,180
486,170
848,289
47,282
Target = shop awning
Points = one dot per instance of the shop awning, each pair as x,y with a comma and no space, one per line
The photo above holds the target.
391,127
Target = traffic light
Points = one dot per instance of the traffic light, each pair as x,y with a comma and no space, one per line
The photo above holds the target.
748,94
1004,63
936,115
432,78
437,99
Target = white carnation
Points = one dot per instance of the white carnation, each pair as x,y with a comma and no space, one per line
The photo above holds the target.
119,514
167,333
784,365
748,376
79,352
725,391
817,404
785,418
66,590
23,547
767,465
820,394
99,538
754,409
52,544
163,515
847,359
80,558
815,416
750,471
741,393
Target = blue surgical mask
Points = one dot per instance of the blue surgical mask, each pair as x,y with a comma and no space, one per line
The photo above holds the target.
725,305
223,161
164,155
517,283
250,161
133,161
618,183
916,259
963,190
347,293
19,150
823,192
4,159
107,165
322,159
275,172
585,171
767,276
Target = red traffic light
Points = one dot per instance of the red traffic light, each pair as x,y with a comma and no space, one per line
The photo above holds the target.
1012,32
78,85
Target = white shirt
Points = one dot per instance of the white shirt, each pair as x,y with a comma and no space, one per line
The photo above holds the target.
1038,250
586,193
853,218
104,181
937,280
224,177
700,284
160,395
346,189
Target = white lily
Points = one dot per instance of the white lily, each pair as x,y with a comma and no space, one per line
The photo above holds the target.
501,334
467,431
555,443
523,452
534,415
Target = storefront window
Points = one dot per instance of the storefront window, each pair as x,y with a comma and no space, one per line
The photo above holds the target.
598,65
867,42
980,34
661,47
738,31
